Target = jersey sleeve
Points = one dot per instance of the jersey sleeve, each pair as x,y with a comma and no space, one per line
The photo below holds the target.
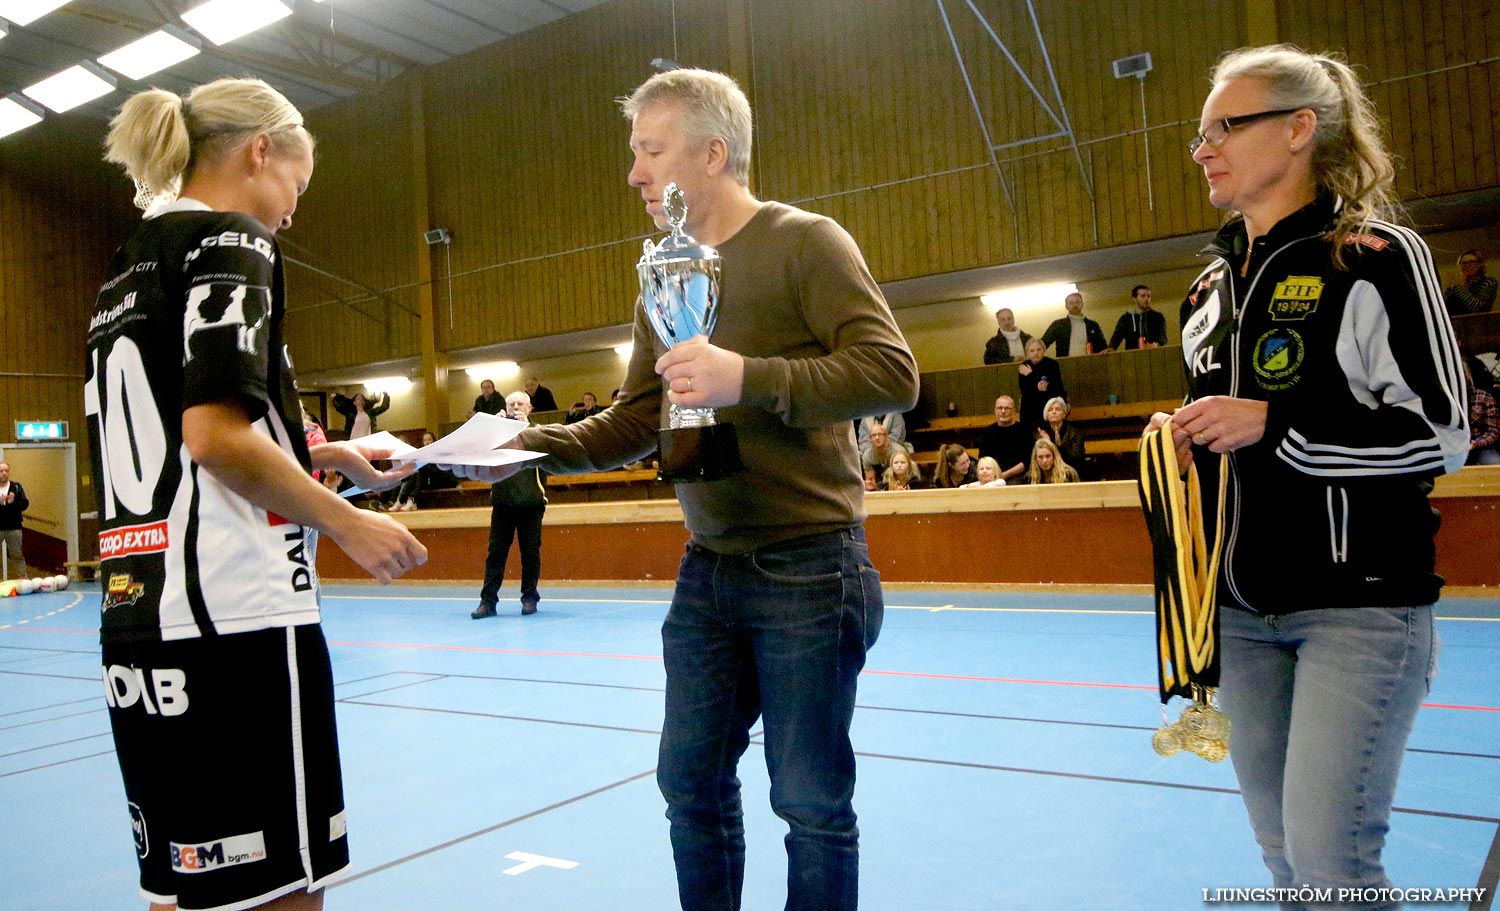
228,281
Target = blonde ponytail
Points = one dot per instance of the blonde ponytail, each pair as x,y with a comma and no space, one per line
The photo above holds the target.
158,137
149,139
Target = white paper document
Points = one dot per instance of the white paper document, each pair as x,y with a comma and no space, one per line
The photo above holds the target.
472,444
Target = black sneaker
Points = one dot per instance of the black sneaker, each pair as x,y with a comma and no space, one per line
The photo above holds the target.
482,611
528,607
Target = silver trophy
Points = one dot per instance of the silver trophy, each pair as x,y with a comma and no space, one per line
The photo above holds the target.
680,291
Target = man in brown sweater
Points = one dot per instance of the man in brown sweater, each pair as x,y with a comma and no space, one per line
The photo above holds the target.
776,601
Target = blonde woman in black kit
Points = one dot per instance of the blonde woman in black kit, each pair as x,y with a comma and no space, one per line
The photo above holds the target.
214,658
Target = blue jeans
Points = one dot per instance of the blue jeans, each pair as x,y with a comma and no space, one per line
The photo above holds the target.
1322,702
780,633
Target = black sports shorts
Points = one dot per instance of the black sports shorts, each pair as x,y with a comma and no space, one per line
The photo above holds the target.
230,758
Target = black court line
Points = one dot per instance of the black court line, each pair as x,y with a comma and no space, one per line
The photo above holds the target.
49,765
494,828
53,718
95,677
399,686
36,648
496,715
1489,876
43,708
340,683
48,746
979,716
1111,779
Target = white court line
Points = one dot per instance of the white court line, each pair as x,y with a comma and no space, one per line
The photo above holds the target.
77,599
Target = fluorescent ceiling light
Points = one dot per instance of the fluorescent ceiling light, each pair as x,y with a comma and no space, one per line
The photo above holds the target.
24,12
156,51
222,21
503,370
391,384
1029,297
17,113
72,87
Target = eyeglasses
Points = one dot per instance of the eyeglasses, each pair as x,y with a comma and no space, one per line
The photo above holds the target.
1218,131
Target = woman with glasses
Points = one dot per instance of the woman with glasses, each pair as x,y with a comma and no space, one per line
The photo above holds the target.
1475,291
1322,361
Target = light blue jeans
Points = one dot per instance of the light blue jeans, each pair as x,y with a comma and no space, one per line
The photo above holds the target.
1322,702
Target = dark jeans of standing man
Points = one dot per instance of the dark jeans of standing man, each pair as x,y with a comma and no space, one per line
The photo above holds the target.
525,524
780,634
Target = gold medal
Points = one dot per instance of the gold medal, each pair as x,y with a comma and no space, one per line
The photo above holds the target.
1186,572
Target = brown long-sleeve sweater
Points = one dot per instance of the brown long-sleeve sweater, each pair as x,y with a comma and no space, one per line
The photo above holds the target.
821,349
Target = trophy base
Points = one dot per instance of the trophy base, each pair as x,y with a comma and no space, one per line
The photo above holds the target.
690,454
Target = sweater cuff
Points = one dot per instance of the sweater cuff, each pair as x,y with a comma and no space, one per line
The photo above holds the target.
765,386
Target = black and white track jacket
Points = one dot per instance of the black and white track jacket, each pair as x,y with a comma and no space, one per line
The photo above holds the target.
1365,395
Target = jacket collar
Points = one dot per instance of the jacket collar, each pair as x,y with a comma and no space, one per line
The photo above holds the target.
1316,217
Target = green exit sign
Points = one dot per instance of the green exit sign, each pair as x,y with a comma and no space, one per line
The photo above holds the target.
29,431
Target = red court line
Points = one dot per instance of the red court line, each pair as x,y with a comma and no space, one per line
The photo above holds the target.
968,677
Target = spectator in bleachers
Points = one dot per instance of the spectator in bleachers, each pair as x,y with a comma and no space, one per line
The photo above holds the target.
488,401
1041,379
1474,291
1141,327
1006,441
1064,436
541,397
1009,343
903,474
878,454
584,409
1075,333
872,479
1484,423
954,467
895,428
1048,466
988,473
359,413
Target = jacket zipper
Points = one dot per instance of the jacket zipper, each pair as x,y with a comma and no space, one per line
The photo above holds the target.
1234,387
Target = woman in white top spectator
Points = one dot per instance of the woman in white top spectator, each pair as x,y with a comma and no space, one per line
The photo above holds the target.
1047,465
989,474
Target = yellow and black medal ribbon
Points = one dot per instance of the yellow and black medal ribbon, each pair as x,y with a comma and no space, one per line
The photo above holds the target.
1185,573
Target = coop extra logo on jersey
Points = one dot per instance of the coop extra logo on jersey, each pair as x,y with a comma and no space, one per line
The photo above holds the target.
226,852
133,540
1296,298
1278,356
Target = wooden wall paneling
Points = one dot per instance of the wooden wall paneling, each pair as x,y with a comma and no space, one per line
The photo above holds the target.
1483,105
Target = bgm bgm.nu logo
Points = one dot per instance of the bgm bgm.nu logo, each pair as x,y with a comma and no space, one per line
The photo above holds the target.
138,827
213,855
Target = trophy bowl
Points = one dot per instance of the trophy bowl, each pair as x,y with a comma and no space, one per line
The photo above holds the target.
679,280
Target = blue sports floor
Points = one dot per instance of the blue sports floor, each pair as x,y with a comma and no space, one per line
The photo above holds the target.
1004,741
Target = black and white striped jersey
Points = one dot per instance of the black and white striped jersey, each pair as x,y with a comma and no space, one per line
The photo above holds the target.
1360,371
192,315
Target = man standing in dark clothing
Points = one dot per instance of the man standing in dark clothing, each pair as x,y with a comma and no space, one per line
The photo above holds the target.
1075,333
516,507
1141,327
13,502
1009,343
1007,441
